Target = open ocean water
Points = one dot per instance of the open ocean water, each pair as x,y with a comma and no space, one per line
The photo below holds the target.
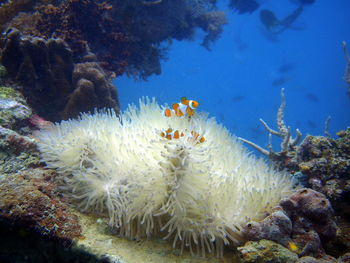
240,79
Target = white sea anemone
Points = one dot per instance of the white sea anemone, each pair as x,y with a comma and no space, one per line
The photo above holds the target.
202,193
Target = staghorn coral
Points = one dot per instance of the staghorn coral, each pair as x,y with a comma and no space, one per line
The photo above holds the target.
288,144
200,194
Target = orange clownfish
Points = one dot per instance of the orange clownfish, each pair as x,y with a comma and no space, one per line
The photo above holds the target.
196,137
183,108
170,134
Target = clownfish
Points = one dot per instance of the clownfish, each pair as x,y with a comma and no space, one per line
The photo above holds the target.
182,108
170,134
196,137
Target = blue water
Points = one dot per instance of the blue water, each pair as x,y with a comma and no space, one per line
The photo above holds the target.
239,81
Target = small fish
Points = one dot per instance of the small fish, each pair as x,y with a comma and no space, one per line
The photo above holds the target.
311,97
285,68
237,98
312,124
279,82
170,134
196,137
182,108
293,247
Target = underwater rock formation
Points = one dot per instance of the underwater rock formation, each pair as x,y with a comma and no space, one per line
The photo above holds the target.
93,90
29,199
16,148
212,23
51,82
124,169
14,110
266,251
312,214
9,9
125,36
303,223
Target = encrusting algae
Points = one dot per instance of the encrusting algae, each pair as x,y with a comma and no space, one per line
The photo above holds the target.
199,188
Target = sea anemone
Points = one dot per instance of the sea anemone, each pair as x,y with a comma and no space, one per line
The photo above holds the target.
200,193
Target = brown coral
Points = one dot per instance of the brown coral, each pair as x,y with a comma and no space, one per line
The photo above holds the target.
303,223
92,90
311,213
29,198
50,80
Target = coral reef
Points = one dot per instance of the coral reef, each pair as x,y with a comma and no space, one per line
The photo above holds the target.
17,152
266,251
16,148
125,36
212,23
275,227
303,223
54,86
311,214
122,167
321,163
93,90
29,198
13,108
9,10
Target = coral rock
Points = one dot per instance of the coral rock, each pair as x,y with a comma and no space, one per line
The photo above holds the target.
93,90
265,251
311,214
50,79
313,207
276,227
13,109
29,198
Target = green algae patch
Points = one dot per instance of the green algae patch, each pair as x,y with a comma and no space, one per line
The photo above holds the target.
13,108
9,93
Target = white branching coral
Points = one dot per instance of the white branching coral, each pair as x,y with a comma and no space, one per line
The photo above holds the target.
199,194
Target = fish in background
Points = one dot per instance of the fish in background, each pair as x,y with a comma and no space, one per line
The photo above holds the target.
276,26
244,6
311,97
237,98
285,68
311,124
279,81
302,2
256,132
